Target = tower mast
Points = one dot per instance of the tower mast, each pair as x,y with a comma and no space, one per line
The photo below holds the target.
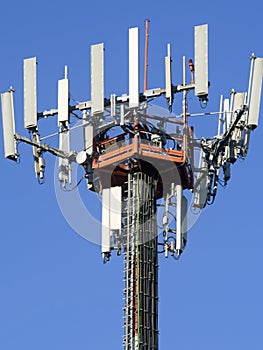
139,160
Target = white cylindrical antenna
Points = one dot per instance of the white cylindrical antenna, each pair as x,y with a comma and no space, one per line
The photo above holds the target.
8,123
169,49
184,70
30,93
252,58
255,95
134,67
231,105
168,77
66,72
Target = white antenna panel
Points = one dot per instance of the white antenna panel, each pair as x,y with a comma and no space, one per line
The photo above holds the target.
30,93
238,103
200,193
227,115
134,67
8,122
179,238
63,101
97,79
255,96
105,234
201,60
168,74
88,131
111,215
239,99
113,105
115,208
220,117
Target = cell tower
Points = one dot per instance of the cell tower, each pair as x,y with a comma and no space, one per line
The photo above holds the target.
141,162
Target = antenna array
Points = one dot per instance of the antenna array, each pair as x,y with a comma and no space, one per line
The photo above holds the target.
131,156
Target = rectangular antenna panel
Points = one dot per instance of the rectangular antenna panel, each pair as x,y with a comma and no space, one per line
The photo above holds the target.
97,78
88,131
105,234
227,114
8,123
30,93
238,103
255,96
179,195
168,76
239,99
115,208
201,60
134,67
63,101
111,215
113,105
200,193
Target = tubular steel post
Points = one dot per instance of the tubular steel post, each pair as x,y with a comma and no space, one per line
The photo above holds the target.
185,119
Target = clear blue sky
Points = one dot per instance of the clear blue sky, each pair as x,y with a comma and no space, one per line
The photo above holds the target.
55,293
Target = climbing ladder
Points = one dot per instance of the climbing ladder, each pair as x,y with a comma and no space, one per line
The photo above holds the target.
140,263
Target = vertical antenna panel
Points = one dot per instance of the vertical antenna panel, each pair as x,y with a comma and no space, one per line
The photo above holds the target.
239,99
134,67
238,103
30,93
105,235
115,208
168,76
201,60
255,96
220,117
97,78
227,115
88,138
8,122
184,222
179,240
63,100
113,105
200,193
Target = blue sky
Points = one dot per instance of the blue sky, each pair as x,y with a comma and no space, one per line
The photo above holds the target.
55,293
